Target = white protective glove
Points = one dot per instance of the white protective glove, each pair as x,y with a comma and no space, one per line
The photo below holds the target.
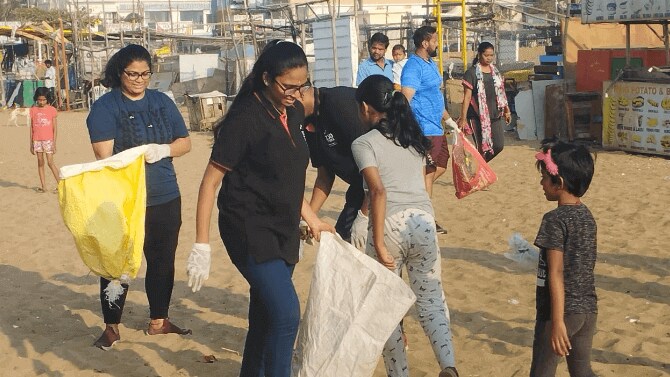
156,152
359,231
451,125
198,264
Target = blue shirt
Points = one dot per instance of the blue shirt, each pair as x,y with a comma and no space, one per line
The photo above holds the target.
370,67
428,103
152,119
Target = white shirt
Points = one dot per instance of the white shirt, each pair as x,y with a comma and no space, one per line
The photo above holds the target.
50,77
397,70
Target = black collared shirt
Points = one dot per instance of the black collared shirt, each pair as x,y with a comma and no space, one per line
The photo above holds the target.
262,192
336,125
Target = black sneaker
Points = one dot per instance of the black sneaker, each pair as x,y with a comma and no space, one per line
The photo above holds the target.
439,229
107,339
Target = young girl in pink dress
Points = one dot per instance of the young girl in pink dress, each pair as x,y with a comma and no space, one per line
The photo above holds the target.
43,134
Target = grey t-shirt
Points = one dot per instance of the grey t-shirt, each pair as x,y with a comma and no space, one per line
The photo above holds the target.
401,171
572,230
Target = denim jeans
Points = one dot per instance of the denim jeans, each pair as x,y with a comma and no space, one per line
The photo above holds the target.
580,332
274,315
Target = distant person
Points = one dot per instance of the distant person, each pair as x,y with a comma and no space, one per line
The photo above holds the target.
331,125
391,158
399,59
421,82
50,80
43,133
129,116
376,64
260,159
567,307
485,103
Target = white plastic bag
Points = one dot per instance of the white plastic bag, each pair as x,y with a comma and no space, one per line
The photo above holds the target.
353,307
522,251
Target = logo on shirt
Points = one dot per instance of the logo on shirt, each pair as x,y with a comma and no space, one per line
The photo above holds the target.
330,139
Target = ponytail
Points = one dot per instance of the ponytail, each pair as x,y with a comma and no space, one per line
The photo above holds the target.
399,124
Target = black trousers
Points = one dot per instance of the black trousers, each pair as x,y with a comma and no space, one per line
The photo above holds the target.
161,230
497,136
353,201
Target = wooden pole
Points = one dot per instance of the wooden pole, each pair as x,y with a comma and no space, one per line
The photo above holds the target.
90,40
251,26
104,25
331,7
65,73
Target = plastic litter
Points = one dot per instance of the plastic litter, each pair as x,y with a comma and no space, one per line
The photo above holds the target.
522,251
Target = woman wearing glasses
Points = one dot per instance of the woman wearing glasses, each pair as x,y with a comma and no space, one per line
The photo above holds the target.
128,116
260,157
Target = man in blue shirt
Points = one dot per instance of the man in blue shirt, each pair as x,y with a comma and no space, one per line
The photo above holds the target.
421,82
377,64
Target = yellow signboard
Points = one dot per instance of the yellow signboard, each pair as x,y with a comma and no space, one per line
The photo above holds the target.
636,117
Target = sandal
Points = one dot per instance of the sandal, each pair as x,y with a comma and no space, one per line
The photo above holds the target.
107,339
168,328
449,372
40,190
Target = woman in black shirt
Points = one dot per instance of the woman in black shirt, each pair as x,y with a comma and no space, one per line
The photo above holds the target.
485,103
260,157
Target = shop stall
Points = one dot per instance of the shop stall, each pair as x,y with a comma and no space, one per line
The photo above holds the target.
636,102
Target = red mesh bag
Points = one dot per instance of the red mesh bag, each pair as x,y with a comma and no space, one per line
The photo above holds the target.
471,172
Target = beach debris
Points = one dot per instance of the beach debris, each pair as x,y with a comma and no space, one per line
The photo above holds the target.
632,319
231,351
513,301
208,359
114,289
522,251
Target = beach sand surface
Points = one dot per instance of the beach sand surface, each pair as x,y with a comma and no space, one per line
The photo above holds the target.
51,309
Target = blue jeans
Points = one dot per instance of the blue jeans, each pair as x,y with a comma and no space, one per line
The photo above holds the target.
274,316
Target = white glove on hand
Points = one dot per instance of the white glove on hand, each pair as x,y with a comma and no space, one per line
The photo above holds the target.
359,231
156,152
198,264
451,124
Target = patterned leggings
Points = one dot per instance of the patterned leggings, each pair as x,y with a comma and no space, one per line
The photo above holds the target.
411,239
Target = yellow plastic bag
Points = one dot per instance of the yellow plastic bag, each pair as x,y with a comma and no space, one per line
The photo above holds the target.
103,204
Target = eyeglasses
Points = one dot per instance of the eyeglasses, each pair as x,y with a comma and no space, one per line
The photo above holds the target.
293,90
136,75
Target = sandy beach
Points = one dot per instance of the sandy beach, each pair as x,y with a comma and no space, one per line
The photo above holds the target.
51,312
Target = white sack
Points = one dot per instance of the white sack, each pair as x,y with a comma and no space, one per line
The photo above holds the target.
354,304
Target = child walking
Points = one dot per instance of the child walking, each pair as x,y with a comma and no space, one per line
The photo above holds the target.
566,293
43,134
391,158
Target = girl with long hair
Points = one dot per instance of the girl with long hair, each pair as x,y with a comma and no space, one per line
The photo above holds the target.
402,232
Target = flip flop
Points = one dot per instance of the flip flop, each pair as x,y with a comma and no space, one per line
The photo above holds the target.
168,328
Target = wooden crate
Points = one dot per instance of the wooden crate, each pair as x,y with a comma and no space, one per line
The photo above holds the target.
205,109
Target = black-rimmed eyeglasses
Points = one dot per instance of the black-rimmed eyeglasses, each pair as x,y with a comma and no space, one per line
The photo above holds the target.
293,90
136,75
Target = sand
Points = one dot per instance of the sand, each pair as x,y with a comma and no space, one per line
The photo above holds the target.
51,311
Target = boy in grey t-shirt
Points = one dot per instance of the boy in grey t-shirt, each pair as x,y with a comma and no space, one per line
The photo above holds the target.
565,294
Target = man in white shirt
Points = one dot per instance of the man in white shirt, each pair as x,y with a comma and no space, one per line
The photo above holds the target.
50,79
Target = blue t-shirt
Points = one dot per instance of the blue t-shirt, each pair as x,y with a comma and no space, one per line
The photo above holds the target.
428,103
152,119
370,67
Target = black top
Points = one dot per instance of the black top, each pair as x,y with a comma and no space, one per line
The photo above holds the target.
261,196
471,77
335,126
572,230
